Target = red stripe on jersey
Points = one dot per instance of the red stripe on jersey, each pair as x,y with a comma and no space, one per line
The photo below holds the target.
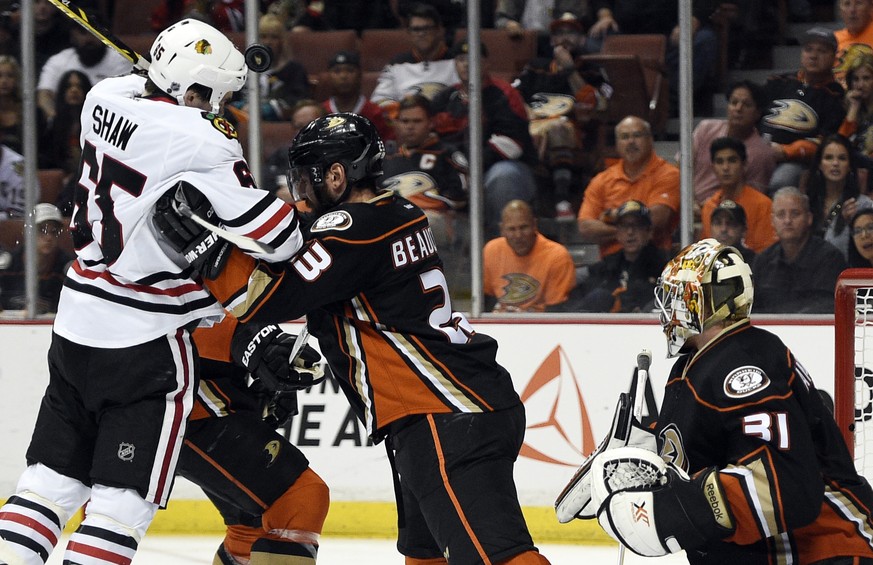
145,289
98,553
178,417
32,524
271,223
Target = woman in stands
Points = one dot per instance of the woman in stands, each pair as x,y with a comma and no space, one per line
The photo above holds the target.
835,194
860,248
858,123
60,144
11,117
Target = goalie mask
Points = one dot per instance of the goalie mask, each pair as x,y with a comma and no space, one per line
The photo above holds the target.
345,138
706,283
192,52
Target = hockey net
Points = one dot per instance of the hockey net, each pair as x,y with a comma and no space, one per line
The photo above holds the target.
853,371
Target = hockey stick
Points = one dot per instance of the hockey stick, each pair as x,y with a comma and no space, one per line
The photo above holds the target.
245,243
76,14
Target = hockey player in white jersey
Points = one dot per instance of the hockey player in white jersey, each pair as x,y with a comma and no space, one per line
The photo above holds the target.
122,365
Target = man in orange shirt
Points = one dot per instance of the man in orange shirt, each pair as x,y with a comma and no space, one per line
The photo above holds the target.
728,161
639,175
523,270
856,37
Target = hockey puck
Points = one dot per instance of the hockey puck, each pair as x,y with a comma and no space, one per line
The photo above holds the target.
259,57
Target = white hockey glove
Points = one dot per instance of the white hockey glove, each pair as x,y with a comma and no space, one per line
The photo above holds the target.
653,508
266,352
575,500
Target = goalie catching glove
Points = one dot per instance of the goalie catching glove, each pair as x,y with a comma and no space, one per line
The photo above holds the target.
266,352
575,500
203,250
653,508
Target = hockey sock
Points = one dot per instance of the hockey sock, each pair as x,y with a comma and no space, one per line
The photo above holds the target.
115,521
414,561
267,551
31,521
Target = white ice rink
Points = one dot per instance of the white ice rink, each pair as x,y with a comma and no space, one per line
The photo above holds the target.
198,550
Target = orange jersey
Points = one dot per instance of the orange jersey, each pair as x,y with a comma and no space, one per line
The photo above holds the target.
657,185
543,277
760,233
849,47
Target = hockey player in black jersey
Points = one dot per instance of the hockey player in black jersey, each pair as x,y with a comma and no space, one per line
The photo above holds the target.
371,283
752,466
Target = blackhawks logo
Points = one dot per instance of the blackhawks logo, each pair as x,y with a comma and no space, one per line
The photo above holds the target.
221,124
203,47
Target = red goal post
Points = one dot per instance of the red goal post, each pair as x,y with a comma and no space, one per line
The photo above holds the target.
853,364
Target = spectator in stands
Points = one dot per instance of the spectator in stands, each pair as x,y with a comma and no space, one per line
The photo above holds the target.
51,264
624,281
60,142
515,16
798,273
639,174
564,94
276,179
426,69
89,55
508,152
344,77
523,271
856,38
746,102
860,246
432,175
803,108
11,184
728,225
452,13
284,83
426,171
704,61
632,16
51,32
11,116
858,123
834,193
171,11
728,156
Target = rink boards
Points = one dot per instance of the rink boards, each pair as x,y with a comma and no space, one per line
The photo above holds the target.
568,373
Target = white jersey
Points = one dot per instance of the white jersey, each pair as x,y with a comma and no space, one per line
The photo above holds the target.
112,64
425,78
127,286
11,183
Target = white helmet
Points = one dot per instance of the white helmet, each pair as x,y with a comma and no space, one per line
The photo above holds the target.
192,52
707,282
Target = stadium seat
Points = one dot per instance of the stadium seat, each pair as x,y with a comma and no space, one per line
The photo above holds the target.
133,16
11,233
139,42
273,136
313,49
51,183
379,46
506,54
651,49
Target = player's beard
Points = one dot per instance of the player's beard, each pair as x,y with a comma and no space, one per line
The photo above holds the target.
91,54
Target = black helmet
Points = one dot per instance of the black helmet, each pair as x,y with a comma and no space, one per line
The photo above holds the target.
345,138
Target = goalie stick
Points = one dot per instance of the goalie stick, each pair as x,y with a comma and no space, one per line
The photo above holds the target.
574,500
638,389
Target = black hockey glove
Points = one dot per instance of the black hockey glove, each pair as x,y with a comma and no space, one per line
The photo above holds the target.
266,353
202,249
277,408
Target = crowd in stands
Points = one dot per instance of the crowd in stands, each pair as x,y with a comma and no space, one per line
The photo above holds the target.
783,176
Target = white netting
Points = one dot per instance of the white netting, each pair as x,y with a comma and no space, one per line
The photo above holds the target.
863,383
625,473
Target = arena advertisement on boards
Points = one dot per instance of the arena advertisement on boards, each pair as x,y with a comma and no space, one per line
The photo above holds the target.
568,374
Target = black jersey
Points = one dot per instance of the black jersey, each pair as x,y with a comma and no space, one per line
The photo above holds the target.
746,406
372,286
800,110
432,176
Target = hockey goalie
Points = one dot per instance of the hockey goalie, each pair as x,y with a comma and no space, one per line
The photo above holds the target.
745,464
